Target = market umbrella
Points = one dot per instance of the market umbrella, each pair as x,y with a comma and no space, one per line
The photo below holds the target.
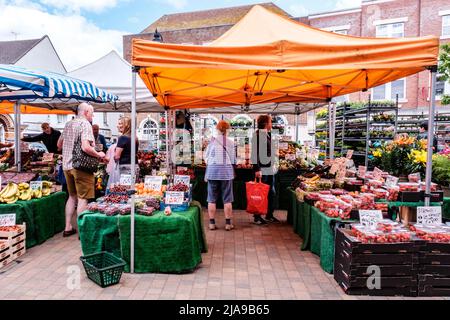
23,85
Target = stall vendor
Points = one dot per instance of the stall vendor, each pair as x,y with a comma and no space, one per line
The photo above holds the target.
49,137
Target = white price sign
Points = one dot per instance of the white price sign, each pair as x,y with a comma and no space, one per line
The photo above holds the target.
183,179
47,157
125,179
362,171
153,182
284,146
290,157
377,173
429,216
36,185
7,220
370,218
300,154
174,197
349,154
391,181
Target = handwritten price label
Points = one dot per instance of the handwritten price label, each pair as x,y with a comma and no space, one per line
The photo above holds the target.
125,179
362,171
7,220
290,157
174,197
47,157
284,146
370,218
183,179
391,181
153,182
429,216
377,173
36,185
349,154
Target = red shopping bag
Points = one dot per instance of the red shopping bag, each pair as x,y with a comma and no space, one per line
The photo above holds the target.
257,197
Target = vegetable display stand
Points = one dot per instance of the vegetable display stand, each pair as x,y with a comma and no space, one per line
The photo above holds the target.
104,268
397,264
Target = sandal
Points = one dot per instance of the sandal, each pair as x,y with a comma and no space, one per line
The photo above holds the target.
69,233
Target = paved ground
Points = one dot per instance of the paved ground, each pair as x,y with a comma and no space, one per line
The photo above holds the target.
250,262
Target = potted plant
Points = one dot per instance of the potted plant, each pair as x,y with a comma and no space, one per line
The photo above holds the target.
441,172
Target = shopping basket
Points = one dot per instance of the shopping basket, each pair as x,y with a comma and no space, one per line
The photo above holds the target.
104,268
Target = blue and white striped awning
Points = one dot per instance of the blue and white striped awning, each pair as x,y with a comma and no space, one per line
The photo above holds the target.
17,83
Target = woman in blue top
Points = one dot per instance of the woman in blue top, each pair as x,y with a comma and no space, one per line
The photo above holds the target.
220,159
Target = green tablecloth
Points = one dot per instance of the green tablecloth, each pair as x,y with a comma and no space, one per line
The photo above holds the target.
322,238
164,244
446,208
301,218
292,208
44,217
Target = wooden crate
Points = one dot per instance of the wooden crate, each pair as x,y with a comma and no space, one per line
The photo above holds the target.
21,228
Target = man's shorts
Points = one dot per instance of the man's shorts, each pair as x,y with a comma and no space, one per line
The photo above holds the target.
216,187
80,184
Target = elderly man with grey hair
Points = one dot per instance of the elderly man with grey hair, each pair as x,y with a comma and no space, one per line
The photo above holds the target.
80,184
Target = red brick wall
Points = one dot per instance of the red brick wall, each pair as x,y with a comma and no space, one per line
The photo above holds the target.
352,19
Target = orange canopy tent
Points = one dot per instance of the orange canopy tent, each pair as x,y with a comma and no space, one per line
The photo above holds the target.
267,58
8,108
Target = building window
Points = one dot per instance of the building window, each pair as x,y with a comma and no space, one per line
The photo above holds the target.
446,26
390,90
391,30
61,118
150,132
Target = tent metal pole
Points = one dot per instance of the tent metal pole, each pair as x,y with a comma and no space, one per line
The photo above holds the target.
331,130
430,136
167,141
133,165
296,127
334,128
17,152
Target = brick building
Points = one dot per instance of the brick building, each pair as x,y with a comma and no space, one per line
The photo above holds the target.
374,18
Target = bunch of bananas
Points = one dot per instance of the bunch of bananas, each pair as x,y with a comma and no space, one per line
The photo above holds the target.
46,188
10,194
25,193
13,192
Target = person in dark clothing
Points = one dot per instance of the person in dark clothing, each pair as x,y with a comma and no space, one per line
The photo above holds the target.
49,137
424,135
100,141
263,160
183,122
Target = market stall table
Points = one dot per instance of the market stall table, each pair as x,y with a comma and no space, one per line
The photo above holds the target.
164,244
44,217
322,237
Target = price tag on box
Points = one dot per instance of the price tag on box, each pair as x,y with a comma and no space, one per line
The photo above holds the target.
377,173
349,154
429,216
290,157
283,146
174,197
370,218
153,182
334,168
47,157
125,179
391,181
36,185
182,178
362,171
7,220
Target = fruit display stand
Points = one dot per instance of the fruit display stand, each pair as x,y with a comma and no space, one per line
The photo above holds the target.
44,217
12,243
166,244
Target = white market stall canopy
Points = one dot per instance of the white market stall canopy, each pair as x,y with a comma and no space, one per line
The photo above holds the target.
113,74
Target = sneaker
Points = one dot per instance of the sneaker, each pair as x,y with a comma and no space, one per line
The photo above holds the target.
273,220
260,221
229,227
212,226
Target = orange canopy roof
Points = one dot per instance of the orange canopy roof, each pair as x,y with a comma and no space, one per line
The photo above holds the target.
268,58
8,108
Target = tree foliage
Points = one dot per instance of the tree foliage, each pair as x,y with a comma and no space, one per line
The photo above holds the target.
444,69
